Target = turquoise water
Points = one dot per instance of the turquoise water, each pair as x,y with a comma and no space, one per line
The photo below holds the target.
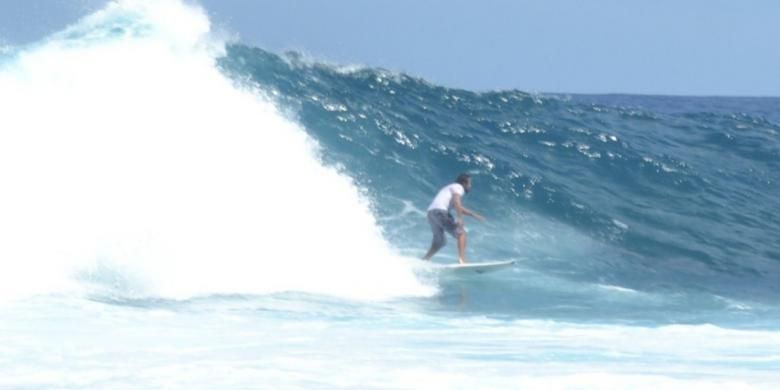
182,212
669,196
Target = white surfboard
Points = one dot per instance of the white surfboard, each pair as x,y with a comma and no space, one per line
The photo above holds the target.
478,268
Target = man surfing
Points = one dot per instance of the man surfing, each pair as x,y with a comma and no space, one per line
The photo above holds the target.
451,196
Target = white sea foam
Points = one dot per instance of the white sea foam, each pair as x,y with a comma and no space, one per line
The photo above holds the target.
113,346
129,162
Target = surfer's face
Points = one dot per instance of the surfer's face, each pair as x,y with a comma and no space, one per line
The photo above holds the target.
467,186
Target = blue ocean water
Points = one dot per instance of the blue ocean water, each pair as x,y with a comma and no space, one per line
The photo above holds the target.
182,212
666,195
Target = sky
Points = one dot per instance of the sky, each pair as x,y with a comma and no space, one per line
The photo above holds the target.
666,47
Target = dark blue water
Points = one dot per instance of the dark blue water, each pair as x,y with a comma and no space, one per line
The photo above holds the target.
675,196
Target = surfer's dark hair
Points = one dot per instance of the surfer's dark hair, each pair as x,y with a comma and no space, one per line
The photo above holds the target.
462,179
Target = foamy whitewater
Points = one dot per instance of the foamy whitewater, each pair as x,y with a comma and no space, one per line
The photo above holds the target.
131,156
179,211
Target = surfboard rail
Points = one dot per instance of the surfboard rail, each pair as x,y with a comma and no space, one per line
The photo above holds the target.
478,267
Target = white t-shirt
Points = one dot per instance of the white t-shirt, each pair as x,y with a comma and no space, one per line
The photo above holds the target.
443,200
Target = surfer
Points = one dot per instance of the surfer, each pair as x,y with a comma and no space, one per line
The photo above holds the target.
441,220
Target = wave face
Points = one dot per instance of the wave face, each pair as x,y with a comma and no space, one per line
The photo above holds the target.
658,194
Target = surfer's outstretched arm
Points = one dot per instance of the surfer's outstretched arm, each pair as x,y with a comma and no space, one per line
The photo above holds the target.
458,203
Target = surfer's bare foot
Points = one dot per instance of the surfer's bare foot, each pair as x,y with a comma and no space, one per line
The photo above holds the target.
462,261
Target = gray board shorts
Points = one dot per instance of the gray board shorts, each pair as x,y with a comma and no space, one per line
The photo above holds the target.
441,221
